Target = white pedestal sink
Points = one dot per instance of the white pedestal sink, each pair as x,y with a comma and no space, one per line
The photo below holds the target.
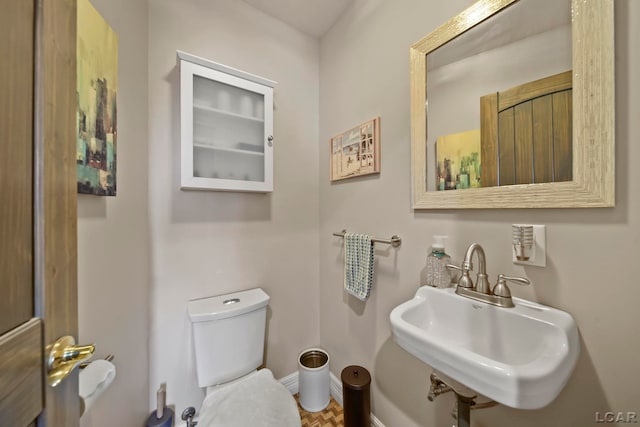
521,357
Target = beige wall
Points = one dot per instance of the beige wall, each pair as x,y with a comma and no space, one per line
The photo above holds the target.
591,253
206,243
113,237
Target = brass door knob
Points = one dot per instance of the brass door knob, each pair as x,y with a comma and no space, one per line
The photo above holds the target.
64,356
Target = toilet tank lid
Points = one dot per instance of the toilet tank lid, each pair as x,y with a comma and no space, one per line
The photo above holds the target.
228,305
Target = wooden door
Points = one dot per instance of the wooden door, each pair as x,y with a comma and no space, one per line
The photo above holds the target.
38,230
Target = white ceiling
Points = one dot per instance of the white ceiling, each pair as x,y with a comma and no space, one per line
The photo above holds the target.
313,17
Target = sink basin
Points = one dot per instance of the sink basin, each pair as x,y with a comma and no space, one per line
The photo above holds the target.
521,357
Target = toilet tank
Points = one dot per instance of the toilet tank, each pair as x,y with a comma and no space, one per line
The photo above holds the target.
228,334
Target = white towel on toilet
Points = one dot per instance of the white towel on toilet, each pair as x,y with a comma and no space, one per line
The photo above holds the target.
257,400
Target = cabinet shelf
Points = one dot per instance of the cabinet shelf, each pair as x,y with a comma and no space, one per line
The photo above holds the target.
228,150
225,113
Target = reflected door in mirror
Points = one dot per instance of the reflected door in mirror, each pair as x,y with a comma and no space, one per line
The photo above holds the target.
526,133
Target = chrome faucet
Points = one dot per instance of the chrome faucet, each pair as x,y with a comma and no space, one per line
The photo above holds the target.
482,281
500,296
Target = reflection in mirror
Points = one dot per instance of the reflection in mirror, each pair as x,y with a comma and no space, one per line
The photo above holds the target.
587,178
499,100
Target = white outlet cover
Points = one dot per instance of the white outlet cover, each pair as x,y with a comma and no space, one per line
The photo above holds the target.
539,253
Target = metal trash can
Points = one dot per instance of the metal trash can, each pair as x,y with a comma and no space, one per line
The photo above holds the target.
356,389
313,379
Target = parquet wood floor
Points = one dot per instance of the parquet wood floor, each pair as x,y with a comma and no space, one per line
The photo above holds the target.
332,416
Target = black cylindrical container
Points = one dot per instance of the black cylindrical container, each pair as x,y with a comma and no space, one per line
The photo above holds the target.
356,389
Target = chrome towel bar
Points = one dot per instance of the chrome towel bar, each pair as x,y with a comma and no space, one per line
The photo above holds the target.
394,241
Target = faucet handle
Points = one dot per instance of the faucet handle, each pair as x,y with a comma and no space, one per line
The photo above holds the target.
451,267
502,290
464,281
517,280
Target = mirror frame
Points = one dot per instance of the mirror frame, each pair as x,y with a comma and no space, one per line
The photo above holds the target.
593,184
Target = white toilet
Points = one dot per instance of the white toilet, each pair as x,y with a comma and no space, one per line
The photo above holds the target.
228,333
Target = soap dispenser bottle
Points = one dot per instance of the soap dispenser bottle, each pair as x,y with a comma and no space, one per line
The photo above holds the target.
437,273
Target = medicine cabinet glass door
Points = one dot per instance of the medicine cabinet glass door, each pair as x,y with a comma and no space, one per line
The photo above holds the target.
226,127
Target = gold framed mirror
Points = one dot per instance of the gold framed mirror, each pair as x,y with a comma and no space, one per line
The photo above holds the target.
592,175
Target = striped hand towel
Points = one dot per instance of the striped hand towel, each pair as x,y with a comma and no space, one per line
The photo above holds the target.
358,265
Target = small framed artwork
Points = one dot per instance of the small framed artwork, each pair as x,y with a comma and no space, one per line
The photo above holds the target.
356,152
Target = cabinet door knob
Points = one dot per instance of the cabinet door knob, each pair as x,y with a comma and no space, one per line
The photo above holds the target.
270,140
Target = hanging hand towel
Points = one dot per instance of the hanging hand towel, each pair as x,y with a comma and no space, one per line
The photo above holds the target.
358,265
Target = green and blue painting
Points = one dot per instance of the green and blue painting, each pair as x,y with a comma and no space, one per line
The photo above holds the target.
96,117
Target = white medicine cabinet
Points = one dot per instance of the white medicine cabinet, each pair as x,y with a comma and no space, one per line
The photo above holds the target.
226,121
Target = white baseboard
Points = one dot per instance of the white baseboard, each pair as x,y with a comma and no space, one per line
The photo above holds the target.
291,383
376,422
336,389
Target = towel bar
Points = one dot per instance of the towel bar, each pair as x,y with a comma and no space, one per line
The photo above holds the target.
394,241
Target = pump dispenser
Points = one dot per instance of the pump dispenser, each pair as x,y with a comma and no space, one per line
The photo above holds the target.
437,273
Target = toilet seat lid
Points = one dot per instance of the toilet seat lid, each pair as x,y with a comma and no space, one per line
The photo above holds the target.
256,399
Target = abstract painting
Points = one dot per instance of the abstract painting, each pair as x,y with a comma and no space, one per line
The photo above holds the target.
458,160
96,117
356,151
